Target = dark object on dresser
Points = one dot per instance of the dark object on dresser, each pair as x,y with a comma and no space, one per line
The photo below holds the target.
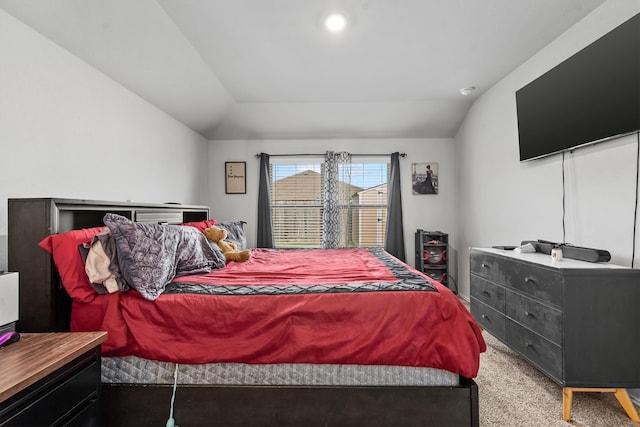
9,338
573,320
570,251
211,405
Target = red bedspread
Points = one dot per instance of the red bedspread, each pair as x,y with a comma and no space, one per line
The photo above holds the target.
405,327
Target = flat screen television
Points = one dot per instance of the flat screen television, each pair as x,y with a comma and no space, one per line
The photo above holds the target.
592,96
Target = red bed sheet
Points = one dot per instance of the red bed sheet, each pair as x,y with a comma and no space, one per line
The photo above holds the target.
407,328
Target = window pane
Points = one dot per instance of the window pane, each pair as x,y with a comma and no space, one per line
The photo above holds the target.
296,204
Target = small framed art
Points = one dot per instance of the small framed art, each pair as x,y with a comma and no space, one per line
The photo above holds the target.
235,177
424,178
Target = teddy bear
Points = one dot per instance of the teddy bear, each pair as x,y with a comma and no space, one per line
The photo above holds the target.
229,249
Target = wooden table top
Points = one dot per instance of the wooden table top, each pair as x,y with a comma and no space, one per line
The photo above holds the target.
35,356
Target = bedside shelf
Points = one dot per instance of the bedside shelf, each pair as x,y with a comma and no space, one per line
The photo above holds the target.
31,220
432,250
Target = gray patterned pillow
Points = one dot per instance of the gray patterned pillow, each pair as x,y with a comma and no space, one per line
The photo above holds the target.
235,233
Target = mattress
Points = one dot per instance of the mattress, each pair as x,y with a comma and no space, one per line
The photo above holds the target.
136,370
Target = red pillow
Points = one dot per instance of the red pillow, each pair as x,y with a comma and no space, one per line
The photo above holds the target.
65,250
201,225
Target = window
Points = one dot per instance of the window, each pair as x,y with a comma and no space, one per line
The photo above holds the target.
298,203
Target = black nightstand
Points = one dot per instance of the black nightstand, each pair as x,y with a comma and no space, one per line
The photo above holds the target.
51,379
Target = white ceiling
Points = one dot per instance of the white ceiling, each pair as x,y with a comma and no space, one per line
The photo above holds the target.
260,69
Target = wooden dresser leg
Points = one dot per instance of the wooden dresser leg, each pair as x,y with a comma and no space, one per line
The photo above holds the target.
620,394
567,400
623,397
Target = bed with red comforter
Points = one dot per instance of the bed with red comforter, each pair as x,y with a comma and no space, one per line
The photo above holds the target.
347,306
344,306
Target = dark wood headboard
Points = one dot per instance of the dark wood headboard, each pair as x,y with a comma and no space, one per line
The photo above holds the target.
44,304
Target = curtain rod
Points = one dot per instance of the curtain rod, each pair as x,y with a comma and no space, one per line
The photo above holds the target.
320,155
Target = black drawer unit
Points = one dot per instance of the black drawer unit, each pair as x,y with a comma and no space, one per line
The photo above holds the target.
51,380
534,280
489,318
56,399
575,321
541,352
488,293
539,318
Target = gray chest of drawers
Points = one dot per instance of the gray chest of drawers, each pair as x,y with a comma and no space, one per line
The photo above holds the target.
577,322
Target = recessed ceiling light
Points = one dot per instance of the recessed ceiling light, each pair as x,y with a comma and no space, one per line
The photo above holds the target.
335,22
467,90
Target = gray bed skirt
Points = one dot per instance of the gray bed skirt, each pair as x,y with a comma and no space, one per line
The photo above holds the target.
135,370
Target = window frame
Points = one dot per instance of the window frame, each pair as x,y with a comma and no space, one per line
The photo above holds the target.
316,163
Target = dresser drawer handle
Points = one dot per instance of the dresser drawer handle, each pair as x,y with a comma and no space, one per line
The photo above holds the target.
485,265
529,345
529,314
530,280
487,293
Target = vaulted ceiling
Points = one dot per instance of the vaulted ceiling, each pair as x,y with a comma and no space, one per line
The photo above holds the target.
259,69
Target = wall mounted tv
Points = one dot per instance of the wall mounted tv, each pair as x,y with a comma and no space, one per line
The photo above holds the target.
592,96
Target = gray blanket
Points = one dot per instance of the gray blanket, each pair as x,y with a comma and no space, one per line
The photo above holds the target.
151,255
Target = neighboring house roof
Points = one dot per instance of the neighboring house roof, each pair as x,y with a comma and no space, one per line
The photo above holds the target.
378,188
289,188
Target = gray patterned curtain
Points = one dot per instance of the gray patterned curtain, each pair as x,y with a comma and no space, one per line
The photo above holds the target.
394,234
336,197
265,228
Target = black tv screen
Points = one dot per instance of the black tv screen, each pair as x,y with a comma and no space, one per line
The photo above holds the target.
591,96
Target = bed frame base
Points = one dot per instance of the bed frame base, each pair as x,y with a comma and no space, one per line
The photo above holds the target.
230,406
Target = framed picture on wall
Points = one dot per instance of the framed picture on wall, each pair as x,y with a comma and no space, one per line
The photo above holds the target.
424,178
235,177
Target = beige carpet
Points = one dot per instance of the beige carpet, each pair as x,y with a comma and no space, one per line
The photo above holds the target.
512,393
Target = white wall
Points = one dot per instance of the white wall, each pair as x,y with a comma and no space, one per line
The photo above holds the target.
429,212
66,130
503,201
